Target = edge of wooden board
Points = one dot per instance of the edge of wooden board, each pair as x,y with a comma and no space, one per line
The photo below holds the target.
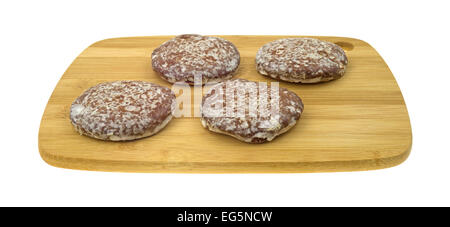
235,167
231,167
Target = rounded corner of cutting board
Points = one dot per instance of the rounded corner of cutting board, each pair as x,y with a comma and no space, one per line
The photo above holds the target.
398,159
46,157
355,40
103,41
47,160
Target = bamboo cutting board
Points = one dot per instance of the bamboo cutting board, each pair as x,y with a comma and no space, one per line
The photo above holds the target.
359,122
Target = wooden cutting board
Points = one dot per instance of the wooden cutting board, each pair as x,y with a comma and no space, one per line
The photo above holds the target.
359,122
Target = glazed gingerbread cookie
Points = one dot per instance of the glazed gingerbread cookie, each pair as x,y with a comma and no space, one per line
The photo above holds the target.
250,111
301,60
186,57
122,110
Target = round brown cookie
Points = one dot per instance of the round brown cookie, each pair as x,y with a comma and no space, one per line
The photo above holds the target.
122,110
250,111
185,57
301,60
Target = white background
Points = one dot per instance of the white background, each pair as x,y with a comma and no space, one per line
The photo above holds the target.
40,39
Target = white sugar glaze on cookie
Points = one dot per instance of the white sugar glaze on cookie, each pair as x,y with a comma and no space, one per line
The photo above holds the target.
301,60
185,57
250,126
122,110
